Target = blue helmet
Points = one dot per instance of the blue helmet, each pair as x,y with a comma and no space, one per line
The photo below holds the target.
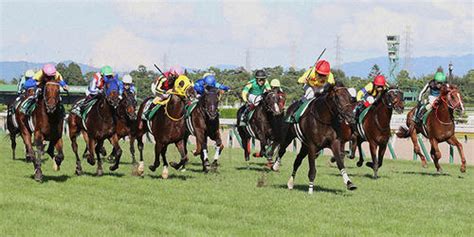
210,80
30,83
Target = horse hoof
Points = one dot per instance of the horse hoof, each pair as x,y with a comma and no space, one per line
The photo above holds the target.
463,169
333,159
38,176
215,164
141,168
164,173
310,190
55,166
351,186
351,157
257,155
29,159
269,165
290,183
276,166
100,172
113,167
152,168
359,163
111,159
175,165
91,161
369,164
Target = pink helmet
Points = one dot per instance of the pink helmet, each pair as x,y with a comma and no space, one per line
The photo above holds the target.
177,70
49,70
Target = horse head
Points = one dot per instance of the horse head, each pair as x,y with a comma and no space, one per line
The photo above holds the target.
272,103
210,102
51,96
452,97
129,104
393,98
342,101
112,93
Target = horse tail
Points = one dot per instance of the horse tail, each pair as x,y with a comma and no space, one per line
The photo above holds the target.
403,132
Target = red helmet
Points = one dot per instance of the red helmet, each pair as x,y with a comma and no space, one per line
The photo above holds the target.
323,67
379,80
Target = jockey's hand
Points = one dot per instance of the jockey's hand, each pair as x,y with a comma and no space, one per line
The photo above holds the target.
66,88
225,88
251,106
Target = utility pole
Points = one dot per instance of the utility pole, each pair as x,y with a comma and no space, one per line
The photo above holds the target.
338,58
407,49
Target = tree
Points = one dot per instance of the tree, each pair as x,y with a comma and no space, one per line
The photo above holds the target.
74,75
375,71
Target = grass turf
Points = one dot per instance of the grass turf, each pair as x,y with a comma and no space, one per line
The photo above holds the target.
405,200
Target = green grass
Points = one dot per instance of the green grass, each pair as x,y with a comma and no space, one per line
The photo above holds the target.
406,200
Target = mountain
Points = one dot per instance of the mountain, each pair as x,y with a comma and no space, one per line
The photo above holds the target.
14,69
419,66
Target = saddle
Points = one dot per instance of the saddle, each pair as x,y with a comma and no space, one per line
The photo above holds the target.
149,110
76,109
28,105
299,111
246,116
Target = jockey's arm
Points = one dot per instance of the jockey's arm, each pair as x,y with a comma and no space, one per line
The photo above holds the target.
245,92
222,87
423,91
158,88
331,79
305,76
38,75
93,86
60,80
364,91
267,86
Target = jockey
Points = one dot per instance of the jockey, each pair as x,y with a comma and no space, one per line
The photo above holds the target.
315,79
252,92
96,85
164,83
26,82
208,80
275,85
434,86
48,72
128,85
366,96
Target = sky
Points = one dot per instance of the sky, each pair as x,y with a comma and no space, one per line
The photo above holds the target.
199,34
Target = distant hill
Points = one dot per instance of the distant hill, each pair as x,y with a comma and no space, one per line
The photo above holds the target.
419,66
14,69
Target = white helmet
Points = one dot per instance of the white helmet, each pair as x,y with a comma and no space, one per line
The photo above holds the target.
127,79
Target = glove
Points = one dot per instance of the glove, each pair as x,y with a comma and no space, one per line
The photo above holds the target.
225,88
251,106
66,88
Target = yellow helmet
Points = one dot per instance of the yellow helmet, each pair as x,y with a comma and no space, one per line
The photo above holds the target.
181,85
275,83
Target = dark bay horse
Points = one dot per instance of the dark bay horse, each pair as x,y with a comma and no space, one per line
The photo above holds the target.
376,127
319,128
16,121
203,122
439,126
100,124
168,126
265,125
48,118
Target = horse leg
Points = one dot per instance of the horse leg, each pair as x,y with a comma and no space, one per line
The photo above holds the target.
335,147
164,172
416,148
312,155
382,149
374,164
361,154
98,148
184,156
132,149
156,164
353,147
281,152
117,152
30,153
245,143
13,144
141,164
299,158
435,154
37,160
58,159
86,153
219,147
454,141
201,142
91,148
73,138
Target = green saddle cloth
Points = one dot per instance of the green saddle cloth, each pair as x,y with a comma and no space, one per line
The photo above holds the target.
28,106
296,116
190,108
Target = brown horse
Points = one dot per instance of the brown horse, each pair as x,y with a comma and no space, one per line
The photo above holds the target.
376,127
168,126
439,126
15,118
203,122
265,125
100,124
319,128
48,118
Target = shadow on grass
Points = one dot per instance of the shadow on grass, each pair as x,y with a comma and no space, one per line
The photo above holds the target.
317,188
369,176
172,176
48,178
118,175
252,168
26,161
423,173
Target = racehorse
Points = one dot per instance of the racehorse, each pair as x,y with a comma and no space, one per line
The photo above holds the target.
318,128
48,118
168,126
203,122
439,126
99,124
375,127
14,118
265,125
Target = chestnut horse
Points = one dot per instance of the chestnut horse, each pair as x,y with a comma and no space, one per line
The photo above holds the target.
203,122
376,127
439,127
15,119
48,119
319,128
265,125
100,124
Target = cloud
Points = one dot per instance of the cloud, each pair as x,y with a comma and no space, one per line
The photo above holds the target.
122,49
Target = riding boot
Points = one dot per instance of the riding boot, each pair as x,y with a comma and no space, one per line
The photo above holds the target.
243,118
419,115
299,103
